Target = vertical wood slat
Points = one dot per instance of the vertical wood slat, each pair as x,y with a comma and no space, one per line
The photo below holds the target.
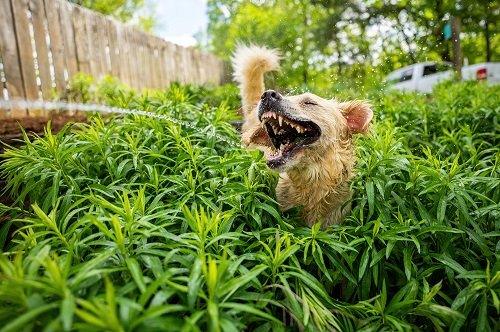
3,113
26,61
101,43
132,58
138,62
168,70
42,51
146,71
25,49
176,63
158,66
114,51
10,56
152,63
1,80
68,36
95,65
56,43
150,54
81,40
161,65
123,48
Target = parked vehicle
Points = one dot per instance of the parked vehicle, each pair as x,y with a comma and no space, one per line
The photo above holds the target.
423,76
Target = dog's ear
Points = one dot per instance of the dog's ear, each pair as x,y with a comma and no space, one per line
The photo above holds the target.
358,115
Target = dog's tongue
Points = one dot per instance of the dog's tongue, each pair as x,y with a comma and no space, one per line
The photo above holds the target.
260,137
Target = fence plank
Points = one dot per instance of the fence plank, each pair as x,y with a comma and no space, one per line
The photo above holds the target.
25,52
162,66
42,51
154,65
132,56
151,81
95,65
102,43
114,51
21,24
157,63
10,55
144,72
3,113
81,40
68,37
137,61
56,44
1,77
123,47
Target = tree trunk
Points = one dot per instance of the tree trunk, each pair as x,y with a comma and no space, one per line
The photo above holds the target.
407,41
487,39
457,49
304,44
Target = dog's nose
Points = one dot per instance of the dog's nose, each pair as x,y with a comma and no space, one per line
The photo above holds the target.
270,96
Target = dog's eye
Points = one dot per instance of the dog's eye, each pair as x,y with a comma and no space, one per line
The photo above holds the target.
310,102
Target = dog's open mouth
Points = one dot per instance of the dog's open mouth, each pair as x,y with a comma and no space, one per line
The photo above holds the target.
288,136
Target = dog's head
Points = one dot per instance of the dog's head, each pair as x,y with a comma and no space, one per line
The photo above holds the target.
297,129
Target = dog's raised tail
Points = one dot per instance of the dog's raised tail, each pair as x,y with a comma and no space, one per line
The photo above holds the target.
250,63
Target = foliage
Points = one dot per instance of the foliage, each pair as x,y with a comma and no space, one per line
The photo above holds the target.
129,223
123,10
83,88
329,41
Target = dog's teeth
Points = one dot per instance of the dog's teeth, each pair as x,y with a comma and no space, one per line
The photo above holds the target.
280,120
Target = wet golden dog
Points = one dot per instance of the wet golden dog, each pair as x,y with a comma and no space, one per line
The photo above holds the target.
306,138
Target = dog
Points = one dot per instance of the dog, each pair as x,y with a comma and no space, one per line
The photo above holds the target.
306,138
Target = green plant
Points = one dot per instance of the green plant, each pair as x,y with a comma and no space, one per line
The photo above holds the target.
131,223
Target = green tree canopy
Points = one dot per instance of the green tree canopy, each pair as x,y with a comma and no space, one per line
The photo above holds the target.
323,41
123,10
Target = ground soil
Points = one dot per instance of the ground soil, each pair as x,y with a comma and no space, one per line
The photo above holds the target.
11,128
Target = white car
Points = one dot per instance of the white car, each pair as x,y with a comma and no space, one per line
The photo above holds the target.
423,76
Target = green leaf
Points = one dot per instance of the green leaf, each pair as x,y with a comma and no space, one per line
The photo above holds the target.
363,264
450,262
370,194
67,312
27,318
407,255
249,309
136,273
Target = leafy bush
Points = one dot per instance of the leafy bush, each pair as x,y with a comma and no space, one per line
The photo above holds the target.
109,90
132,223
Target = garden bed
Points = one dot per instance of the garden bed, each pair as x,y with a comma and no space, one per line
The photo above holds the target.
11,128
140,224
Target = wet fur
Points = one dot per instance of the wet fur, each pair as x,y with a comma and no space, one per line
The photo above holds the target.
317,179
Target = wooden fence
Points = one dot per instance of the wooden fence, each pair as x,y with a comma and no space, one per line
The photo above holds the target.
43,43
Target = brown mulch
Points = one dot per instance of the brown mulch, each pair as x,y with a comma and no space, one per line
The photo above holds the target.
11,128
